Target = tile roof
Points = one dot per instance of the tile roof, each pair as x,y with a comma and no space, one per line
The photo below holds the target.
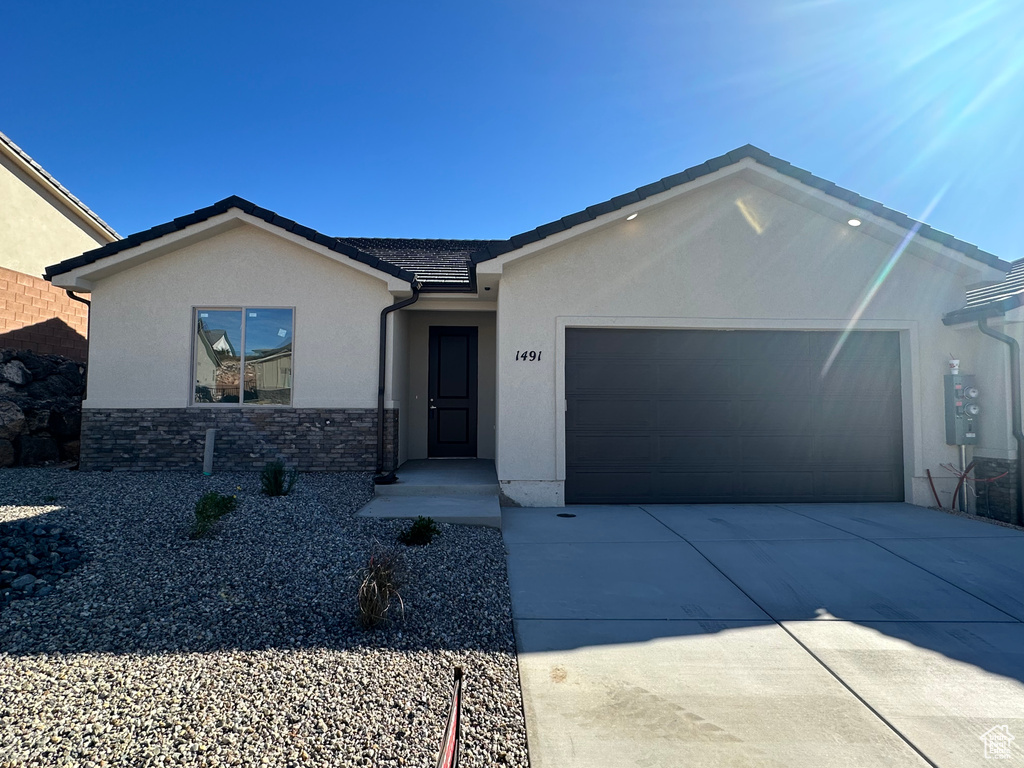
437,263
450,265
83,209
992,300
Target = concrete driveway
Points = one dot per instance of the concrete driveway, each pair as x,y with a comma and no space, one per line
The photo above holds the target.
765,635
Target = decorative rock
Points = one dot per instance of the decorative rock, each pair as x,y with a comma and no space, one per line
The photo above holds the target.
38,449
12,420
15,372
37,419
23,581
6,453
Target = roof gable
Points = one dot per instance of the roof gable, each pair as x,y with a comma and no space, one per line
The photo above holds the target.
760,157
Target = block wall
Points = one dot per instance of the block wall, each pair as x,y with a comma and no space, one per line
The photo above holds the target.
38,316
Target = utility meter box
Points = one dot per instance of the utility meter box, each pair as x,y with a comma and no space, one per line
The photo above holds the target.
962,410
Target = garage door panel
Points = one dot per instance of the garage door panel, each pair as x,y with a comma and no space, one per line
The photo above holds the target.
854,417
861,378
859,345
611,486
862,450
698,451
697,415
783,417
774,450
699,486
628,448
863,485
788,379
597,376
610,413
676,416
777,485
605,342
684,379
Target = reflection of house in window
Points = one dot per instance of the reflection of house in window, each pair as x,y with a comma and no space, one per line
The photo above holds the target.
220,342
217,367
268,375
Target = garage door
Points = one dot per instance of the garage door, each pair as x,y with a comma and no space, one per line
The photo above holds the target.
667,416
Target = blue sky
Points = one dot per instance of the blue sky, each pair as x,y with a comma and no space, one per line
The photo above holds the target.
485,119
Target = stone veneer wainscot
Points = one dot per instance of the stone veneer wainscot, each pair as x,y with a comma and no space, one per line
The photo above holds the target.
309,439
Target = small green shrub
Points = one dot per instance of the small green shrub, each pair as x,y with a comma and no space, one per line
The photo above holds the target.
276,480
209,509
378,588
421,532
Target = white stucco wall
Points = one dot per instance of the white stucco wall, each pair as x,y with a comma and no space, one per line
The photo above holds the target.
141,346
37,229
729,255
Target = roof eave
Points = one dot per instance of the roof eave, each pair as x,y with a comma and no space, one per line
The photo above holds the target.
973,314
41,176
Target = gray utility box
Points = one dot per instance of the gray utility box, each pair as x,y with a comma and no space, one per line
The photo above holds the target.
962,410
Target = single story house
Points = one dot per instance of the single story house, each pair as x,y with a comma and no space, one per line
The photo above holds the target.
741,331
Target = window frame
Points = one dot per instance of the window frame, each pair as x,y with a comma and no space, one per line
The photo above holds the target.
191,397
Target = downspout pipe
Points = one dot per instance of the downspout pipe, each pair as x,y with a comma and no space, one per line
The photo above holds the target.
88,331
382,478
1015,407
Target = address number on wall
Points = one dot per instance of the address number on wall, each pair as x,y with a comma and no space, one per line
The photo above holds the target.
528,355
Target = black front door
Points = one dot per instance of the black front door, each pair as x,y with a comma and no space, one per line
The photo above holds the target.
452,392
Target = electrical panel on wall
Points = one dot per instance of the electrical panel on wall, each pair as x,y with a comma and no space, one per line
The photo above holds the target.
962,409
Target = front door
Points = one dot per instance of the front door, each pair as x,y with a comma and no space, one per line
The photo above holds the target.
452,392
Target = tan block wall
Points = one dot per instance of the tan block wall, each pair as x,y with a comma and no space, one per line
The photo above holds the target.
38,316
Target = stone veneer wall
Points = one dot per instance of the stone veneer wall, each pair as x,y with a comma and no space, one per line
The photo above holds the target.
309,439
996,500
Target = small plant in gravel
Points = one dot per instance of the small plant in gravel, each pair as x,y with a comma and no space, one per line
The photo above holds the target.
421,532
209,509
276,480
378,588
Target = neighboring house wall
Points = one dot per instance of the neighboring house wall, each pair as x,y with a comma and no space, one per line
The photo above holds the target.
40,317
730,255
141,358
36,227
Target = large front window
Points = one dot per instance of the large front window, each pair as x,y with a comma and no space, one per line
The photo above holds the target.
243,355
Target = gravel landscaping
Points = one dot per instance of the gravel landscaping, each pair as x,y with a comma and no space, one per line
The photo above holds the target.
244,648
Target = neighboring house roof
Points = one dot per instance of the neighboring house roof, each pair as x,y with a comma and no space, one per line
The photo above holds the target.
40,174
219,338
449,265
992,300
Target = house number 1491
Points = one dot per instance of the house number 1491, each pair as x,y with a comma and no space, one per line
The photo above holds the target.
530,355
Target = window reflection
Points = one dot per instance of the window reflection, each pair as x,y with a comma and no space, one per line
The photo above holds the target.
218,355
265,360
268,356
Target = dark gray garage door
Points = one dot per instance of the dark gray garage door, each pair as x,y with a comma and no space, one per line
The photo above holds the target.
670,416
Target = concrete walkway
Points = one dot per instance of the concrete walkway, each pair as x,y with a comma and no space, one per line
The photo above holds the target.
448,490
797,635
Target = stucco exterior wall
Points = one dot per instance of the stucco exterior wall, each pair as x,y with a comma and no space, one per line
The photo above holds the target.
37,229
414,412
730,255
141,350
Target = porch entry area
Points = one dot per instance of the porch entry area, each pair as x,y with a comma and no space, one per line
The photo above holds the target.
444,373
